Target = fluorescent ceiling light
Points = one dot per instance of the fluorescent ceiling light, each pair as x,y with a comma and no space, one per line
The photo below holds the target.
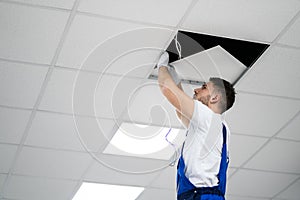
145,141
95,191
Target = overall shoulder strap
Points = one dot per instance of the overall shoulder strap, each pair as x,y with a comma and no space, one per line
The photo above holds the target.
224,134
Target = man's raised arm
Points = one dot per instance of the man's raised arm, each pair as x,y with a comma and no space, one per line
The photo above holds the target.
168,80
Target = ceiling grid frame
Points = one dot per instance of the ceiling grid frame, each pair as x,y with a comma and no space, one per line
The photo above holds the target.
284,189
52,65
263,146
35,5
42,90
273,43
249,69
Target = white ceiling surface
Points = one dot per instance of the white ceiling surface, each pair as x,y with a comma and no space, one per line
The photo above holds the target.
251,20
66,4
46,152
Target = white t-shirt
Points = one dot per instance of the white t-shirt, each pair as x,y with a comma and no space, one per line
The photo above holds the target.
203,146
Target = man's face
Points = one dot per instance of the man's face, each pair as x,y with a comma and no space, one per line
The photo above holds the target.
203,93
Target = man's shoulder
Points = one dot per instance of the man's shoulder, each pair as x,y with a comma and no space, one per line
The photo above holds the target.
202,109
201,117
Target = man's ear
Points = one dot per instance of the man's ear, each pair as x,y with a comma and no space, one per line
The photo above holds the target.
215,98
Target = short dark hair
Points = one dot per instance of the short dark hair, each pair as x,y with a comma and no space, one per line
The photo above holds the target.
226,89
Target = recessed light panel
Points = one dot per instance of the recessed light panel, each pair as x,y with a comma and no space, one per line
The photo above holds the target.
145,141
96,191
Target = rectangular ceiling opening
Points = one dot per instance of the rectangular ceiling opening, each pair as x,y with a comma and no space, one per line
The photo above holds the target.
204,56
247,52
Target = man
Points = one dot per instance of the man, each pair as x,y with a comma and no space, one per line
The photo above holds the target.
201,170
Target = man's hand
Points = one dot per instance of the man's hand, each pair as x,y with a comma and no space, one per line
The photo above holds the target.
164,62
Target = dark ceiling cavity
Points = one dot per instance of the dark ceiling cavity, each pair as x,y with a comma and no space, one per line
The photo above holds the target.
191,43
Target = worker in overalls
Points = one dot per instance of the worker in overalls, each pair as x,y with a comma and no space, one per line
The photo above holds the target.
201,169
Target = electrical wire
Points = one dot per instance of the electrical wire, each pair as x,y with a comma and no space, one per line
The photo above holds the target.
175,156
178,46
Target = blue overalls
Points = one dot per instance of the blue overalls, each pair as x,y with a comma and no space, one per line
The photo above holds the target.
187,191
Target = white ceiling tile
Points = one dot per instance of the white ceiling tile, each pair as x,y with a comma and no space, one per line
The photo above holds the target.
290,37
232,197
60,132
104,95
94,133
12,124
30,34
278,155
109,174
20,84
130,53
113,95
54,131
214,62
283,199
138,63
291,130
274,74
230,172
251,20
130,164
58,94
66,4
52,163
7,155
166,179
258,184
2,180
148,105
153,193
134,63
242,147
292,192
260,115
145,11
31,188
87,34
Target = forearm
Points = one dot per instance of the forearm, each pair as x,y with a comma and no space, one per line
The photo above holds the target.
184,120
166,83
164,78
177,112
168,87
